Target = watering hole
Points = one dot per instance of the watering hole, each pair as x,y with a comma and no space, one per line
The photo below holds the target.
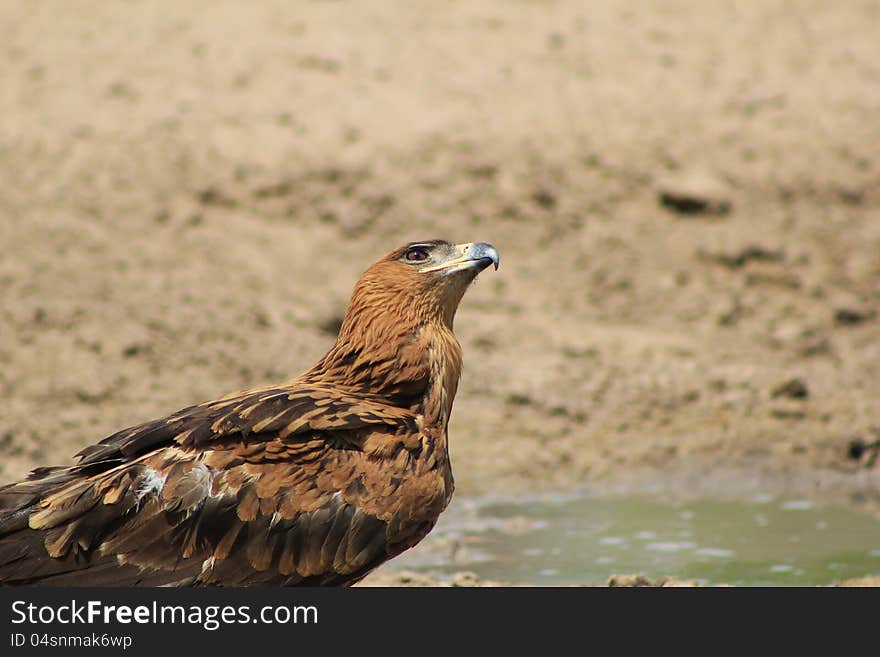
577,539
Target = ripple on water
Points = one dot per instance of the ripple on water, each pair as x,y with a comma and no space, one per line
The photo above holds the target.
798,505
720,553
670,546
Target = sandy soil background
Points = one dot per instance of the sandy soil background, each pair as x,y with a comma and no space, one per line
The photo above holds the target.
685,196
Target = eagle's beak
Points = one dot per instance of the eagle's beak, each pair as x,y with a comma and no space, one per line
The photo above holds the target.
476,255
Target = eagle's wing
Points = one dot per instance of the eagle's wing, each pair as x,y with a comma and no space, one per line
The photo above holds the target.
274,486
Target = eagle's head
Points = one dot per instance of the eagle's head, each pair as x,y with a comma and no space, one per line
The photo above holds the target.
423,282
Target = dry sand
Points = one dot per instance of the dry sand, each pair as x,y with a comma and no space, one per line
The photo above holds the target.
685,196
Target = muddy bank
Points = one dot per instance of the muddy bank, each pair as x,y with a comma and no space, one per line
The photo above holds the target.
465,579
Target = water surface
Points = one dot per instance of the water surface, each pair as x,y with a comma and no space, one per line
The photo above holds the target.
582,540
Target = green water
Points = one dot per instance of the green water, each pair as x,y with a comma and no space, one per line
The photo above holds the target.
570,539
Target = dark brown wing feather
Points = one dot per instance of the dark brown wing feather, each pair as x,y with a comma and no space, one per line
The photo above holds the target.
266,411
278,486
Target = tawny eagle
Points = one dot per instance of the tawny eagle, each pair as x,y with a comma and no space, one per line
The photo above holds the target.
314,481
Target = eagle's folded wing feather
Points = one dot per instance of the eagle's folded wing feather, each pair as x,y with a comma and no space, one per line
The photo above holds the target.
266,486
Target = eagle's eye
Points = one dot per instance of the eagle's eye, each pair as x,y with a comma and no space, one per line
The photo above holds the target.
416,254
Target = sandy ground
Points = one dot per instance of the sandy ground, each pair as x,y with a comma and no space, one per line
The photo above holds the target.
685,196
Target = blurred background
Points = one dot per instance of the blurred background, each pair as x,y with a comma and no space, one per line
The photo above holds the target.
685,196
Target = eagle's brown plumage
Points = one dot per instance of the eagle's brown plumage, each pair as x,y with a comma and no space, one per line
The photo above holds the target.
317,480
